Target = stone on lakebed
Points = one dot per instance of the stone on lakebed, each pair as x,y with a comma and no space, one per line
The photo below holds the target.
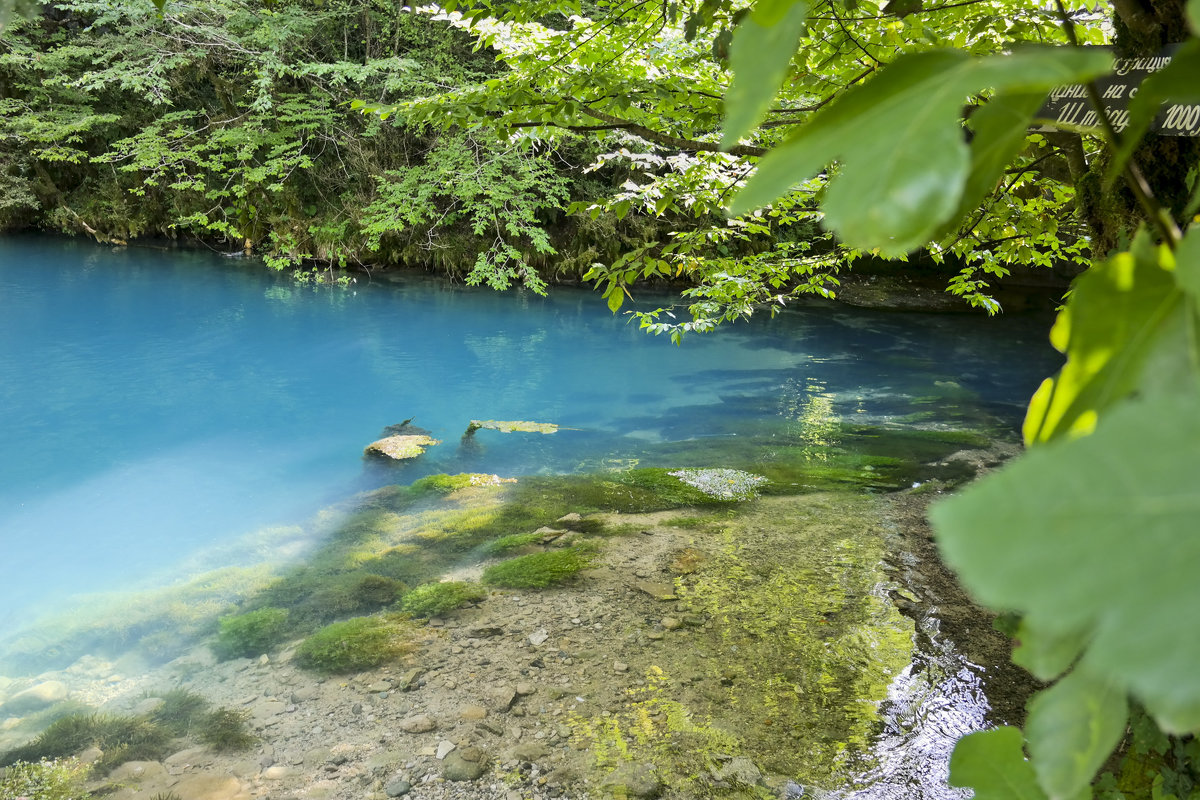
511,426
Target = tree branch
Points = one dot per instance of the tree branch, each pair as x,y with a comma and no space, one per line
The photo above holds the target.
667,139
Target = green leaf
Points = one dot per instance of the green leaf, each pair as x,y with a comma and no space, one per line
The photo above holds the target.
1098,534
1072,728
772,12
759,58
991,763
1193,15
616,296
1046,655
1115,316
898,138
1187,264
1000,127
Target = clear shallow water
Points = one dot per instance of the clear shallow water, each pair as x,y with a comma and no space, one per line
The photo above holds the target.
157,403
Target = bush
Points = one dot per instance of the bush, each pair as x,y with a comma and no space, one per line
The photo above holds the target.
224,730
353,645
44,780
433,599
538,570
250,634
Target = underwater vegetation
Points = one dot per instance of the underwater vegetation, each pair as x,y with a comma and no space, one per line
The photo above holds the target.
181,711
786,650
150,737
538,570
511,543
120,738
435,599
57,779
250,634
353,645
225,730
398,537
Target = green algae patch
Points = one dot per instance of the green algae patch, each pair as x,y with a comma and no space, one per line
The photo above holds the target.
250,634
512,543
538,570
120,738
435,599
795,594
354,645
786,651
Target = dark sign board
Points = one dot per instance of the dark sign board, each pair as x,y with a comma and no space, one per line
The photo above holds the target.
1069,105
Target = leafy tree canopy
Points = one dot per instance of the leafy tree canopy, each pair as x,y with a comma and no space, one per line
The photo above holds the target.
655,80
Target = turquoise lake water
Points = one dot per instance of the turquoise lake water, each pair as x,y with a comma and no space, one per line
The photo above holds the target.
158,403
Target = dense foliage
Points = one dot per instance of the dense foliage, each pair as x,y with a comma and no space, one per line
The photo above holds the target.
229,121
653,79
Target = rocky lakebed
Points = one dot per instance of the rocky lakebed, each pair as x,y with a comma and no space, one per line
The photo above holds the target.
762,649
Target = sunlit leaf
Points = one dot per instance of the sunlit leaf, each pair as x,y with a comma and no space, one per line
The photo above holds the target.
1000,127
759,58
992,763
1072,728
1099,534
903,161
1115,316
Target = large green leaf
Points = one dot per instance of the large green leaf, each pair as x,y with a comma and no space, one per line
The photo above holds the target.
1099,534
903,161
759,58
1072,728
1046,655
1001,126
991,763
1116,315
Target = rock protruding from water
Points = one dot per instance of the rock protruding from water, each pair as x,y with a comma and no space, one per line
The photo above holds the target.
399,448
510,426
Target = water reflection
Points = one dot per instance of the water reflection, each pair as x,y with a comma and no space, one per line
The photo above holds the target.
933,702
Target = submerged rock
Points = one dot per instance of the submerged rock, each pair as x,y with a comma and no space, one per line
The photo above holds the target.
633,780
405,428
35,698
457,767
400,447
511,426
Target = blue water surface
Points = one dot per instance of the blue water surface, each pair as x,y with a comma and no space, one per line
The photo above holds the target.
157,402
